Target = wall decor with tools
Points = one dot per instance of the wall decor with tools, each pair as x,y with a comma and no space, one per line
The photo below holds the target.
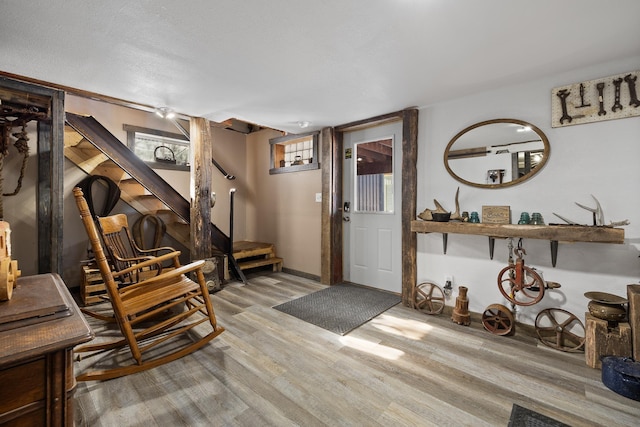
607,98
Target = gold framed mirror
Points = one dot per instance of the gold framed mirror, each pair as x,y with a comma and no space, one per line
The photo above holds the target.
497,153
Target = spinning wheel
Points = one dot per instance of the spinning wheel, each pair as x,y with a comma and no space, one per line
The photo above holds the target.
429,298
520,284
560,329
498,320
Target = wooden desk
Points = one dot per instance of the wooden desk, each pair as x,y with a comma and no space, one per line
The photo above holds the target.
39,327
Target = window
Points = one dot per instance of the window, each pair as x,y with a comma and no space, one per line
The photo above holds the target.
294,153
159,149
374,176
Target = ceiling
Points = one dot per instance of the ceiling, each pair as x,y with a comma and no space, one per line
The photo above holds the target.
277,63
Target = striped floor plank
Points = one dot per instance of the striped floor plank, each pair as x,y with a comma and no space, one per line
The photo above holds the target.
403,368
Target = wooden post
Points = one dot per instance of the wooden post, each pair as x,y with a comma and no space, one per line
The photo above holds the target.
409,202
200,188
633,295
331,239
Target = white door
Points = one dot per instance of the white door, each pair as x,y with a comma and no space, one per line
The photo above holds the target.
372,195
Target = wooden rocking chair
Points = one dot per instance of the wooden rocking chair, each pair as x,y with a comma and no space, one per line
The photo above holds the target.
162,309
124,253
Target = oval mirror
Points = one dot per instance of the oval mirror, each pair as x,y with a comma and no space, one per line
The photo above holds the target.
496,153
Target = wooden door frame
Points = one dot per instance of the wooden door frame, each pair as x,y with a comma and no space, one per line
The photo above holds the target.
49,192
332,147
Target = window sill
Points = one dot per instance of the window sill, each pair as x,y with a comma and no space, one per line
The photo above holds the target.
297,168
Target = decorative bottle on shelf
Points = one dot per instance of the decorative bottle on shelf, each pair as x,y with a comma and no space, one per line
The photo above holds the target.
536,219
524,218
474,218
461,314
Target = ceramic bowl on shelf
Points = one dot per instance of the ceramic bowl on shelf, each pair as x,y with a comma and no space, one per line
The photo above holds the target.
441,216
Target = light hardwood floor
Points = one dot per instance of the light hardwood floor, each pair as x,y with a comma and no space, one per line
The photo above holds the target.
403,368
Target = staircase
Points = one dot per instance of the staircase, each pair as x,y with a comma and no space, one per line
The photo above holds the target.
97,152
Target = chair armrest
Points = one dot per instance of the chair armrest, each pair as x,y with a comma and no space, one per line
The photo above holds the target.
137,259
169,274
155,251
147,263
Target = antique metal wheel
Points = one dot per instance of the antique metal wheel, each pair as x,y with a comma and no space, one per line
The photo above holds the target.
428,298
498,320
520,284
559,329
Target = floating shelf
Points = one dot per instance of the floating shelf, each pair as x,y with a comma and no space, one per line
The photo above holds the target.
554,233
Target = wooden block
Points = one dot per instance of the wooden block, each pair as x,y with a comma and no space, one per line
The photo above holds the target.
274,261
633,295
92,288
600,340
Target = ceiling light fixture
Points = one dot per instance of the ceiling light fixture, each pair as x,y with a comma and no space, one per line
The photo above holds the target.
304,124
165,113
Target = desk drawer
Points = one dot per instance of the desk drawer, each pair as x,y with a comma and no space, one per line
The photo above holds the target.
22,385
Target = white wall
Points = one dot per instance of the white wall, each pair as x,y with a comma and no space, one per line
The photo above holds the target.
598,158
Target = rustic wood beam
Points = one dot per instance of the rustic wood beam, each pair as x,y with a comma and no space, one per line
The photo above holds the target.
409,201
331,237
49,193
200,188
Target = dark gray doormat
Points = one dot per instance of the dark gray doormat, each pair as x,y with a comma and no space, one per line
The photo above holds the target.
523,417
340,308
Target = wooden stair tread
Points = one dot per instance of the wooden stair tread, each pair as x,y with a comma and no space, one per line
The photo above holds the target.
260,262
244,249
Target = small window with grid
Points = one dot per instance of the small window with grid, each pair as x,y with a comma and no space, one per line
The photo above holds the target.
294,153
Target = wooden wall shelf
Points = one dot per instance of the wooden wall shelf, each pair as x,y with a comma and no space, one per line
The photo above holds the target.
554,233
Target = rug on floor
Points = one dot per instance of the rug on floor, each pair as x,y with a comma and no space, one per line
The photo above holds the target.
340,308
523,417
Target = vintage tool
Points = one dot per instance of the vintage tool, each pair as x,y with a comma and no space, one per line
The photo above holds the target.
428,298
598,216
616,103
563,94
519,284
461,314
607,306
633,96
582,104
498,320
559,329
601,110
